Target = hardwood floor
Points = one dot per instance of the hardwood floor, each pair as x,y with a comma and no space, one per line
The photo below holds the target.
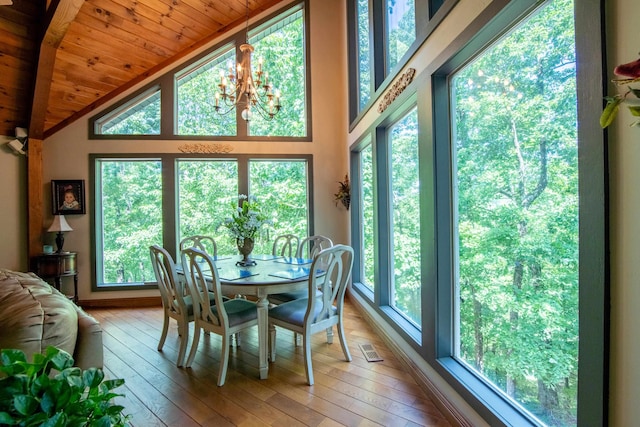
157,393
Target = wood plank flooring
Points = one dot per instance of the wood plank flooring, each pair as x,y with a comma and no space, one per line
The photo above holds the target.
157,393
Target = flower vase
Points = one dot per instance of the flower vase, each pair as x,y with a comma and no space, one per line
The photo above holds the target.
245,247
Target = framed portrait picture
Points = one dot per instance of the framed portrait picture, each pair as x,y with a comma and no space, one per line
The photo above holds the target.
67,197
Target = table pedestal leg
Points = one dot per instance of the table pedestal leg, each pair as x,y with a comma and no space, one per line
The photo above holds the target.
263,335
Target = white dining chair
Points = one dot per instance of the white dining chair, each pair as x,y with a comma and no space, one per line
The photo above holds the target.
204,243
308,316
308,248
312,245
285,245
176,304
226,317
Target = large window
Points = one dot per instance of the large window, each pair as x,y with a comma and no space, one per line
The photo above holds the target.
129,202
516,177
283,191
382,37
206,190
280,44
195,102
140,202
479,199
401,29
405,205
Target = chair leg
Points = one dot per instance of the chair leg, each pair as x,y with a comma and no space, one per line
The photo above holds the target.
308,368
165,329
330,335
183,330
194,346
224,360
343,342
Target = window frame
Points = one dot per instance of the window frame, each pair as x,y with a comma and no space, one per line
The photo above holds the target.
438,342
170,200
429,14
167,86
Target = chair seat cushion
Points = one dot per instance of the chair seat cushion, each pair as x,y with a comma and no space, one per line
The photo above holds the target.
238,311
290,296
294,311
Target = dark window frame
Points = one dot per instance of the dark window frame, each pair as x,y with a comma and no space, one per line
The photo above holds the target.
166,84
170,202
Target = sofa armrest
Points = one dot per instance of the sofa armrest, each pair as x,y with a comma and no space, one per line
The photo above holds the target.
88,352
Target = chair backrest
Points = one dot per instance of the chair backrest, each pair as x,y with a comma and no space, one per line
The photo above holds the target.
203,280
204,243
286,245
171,289
337,263
312,245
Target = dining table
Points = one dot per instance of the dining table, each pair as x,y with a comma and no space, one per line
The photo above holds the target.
271,274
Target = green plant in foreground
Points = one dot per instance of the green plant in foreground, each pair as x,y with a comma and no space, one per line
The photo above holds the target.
31,396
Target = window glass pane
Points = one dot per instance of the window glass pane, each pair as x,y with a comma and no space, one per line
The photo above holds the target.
405,203
206,189
366,201
129,219
141,117
364,62
401,29
516,172
281,188
195,91
282,50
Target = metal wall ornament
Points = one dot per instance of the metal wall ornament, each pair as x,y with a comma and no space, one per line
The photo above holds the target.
398,87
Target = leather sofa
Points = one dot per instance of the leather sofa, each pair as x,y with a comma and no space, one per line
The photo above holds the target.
34,315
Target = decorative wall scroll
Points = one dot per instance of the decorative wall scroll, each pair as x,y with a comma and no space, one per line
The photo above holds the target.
398,87
208,148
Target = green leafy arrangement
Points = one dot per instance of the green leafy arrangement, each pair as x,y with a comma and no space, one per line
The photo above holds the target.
631,96
344,192
31,396
246,220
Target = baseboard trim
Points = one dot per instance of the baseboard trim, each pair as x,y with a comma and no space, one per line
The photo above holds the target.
122,302
450,412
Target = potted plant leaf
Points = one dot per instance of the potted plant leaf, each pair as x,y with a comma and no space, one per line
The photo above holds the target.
344,192
50,391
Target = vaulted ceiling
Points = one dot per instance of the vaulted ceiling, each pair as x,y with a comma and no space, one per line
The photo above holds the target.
60,59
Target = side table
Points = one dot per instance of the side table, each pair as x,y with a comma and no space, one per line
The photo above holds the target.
56,266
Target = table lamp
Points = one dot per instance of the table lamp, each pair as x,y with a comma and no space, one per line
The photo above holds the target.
59,224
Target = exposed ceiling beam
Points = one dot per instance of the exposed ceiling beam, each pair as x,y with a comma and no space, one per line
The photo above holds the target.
60,14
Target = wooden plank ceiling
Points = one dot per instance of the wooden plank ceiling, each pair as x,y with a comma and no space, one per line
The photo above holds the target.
109,46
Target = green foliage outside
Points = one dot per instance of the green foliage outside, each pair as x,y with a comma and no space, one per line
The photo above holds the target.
401,23
366,169
281,187
206,189
517,205
284,53
141,118
34,394
130,193
405,202
364,61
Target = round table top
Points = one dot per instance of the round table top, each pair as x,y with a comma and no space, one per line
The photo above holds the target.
271,274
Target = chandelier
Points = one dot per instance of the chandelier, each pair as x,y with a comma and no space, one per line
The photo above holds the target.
244,90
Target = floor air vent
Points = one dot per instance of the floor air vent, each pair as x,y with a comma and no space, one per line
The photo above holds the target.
370,353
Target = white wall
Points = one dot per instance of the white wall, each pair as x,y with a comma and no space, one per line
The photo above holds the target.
623,45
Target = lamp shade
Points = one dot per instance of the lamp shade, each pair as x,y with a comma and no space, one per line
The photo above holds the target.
59,224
